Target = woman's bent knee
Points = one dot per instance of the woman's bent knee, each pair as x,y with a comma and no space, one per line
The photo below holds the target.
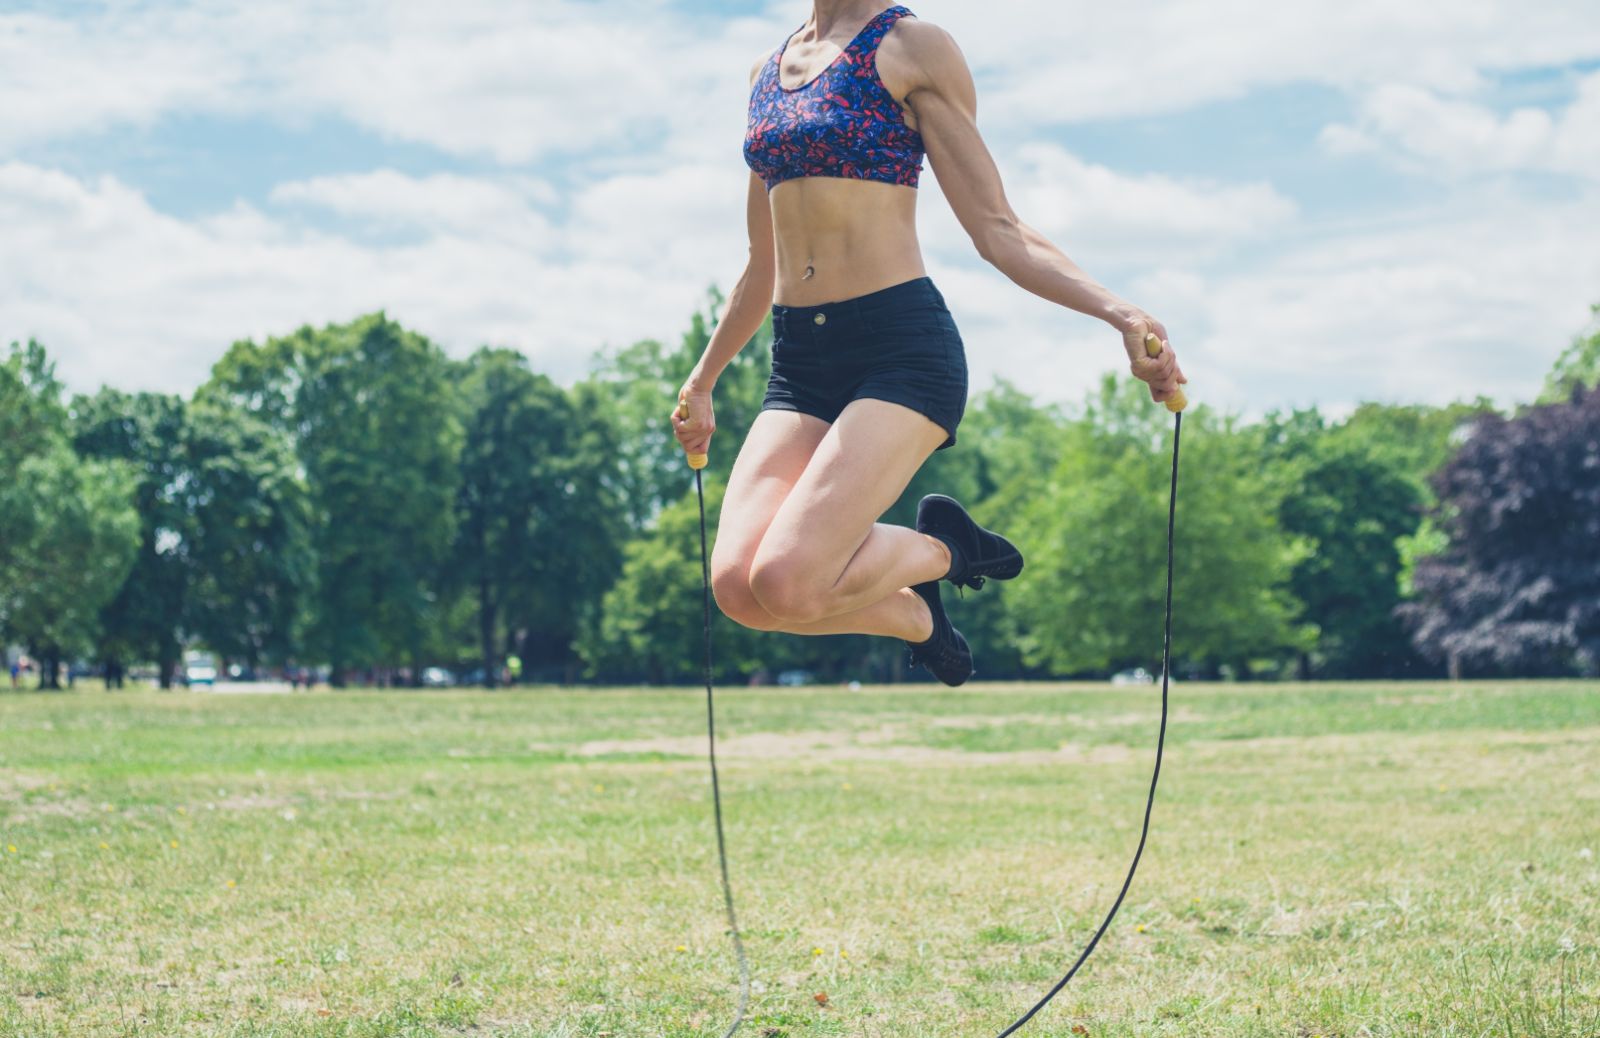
733,596
786,593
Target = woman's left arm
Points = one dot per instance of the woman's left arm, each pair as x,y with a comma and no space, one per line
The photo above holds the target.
945,100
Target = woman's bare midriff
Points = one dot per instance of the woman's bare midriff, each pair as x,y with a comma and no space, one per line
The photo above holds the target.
855,236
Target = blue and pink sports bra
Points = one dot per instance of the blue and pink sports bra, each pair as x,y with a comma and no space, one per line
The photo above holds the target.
843,123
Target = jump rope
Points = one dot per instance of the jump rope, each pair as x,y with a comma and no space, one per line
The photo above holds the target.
1176,403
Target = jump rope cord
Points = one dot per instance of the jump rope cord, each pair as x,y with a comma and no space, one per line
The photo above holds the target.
1144,833
1161,739
716,789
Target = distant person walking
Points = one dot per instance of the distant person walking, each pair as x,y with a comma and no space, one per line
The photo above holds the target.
16,672
869,372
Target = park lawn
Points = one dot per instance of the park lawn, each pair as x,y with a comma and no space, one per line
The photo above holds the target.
1337,860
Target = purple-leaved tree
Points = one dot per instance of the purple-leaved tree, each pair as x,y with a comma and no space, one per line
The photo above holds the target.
1518,588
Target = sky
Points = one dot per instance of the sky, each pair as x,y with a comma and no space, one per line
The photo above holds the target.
1324,202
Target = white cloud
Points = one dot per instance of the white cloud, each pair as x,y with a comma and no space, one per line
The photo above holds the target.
1478,296
1440,136
1050,62
60,77
515,82
443,203
1127,218
481,78
1475,294
125,294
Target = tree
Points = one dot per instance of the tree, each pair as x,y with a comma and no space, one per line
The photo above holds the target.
369,407
68,526
254,570
1094,524
223,549
1351,505
71,531
540,523
145,619
635,390
650,622
1410,439
1518,587
1578,367
32,418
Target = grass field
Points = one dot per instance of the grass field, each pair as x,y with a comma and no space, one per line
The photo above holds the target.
1335,860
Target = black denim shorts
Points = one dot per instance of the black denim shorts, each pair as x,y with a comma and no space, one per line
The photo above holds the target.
899,344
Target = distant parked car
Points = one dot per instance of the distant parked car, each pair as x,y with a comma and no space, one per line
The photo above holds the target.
1136,676
437,677
201,670
796,677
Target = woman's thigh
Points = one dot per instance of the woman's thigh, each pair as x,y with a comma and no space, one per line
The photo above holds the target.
861,467
771,460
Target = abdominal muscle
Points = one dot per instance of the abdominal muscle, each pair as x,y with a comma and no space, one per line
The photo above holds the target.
856,236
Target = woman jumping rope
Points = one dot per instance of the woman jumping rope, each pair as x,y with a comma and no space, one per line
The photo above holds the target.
869,373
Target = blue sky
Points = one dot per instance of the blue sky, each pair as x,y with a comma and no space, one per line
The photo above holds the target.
1324,202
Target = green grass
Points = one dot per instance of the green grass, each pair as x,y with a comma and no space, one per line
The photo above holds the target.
1344,860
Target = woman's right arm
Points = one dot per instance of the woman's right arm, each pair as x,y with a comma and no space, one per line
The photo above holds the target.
693,420
751,299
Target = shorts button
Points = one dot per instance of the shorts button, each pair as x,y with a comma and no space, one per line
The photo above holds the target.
820,318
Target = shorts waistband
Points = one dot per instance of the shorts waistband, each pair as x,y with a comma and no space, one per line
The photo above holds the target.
920,288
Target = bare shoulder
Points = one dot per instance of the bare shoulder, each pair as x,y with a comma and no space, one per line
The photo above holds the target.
917,54
755,67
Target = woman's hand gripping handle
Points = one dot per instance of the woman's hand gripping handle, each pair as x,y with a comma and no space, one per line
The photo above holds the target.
693,427
1176,401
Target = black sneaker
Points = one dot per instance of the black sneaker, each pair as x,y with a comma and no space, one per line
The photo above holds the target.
945,654
975,553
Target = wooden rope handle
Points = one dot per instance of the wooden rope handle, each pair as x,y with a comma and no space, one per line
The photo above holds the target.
1177,401
696,461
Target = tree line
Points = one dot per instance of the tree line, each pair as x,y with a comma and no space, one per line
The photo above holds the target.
350,496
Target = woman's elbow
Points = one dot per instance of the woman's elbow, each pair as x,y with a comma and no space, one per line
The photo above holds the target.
998,239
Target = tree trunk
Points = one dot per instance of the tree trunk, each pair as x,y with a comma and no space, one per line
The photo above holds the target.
50,669
486,618
166,664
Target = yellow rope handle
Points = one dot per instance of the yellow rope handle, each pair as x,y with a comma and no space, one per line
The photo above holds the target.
1177,401
696,461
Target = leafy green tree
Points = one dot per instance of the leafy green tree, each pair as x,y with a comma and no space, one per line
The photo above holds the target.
223,553
1578,367
32,416
1413,440
540,518
650,622
1012,436
68,526
145,430
370,409
254,570
635,390
1094,522
1352,505
71,531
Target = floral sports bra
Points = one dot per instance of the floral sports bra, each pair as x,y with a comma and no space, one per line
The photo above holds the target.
844,123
